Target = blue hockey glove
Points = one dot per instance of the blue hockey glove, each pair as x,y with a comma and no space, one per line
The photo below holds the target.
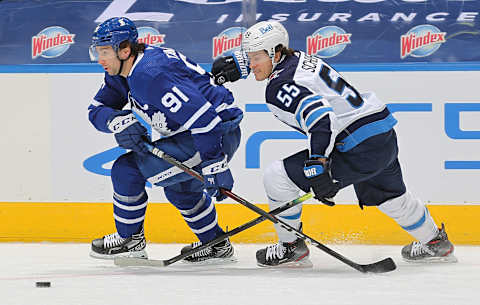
217,175
129,133
230,68
322,184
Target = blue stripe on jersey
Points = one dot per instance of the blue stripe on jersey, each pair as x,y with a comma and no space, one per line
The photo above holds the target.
304,104
315,115
310,108
418,224
365,132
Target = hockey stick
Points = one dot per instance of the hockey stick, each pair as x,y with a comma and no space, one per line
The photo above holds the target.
132,261
384,265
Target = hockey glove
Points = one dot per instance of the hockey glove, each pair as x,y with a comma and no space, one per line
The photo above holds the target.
230,68
217,175
129,133
321,182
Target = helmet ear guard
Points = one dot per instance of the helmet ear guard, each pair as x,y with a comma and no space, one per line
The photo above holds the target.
265,35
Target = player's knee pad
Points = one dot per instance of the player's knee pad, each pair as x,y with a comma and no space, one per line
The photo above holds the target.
126,177
412,215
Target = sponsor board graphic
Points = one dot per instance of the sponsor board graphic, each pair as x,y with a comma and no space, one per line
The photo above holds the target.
51,42
227,42
328,41
150,36
421,41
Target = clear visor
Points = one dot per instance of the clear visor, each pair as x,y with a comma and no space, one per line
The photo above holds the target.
258,57
101,53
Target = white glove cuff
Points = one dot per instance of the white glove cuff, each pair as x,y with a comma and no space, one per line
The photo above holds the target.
119,123
241,60
216,167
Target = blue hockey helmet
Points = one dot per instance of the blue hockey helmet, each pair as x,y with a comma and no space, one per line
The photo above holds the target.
113,32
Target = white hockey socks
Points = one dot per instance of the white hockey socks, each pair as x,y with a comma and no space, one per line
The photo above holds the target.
280,189
412,215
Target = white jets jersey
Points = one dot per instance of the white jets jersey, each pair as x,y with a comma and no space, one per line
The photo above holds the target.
307,94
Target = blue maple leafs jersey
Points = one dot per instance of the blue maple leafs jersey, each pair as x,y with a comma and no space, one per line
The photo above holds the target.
171,94
308,95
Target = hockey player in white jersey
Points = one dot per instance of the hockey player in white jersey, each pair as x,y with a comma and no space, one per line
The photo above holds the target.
191,119
351,141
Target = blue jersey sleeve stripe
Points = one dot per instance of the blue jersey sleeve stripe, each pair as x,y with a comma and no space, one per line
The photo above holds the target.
315,116
310,108
207,128
196,115
304,104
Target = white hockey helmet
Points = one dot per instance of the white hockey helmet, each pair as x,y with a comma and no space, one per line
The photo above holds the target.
265,35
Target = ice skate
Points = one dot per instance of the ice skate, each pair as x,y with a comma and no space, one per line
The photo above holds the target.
217,254
439,249
294,254
113,245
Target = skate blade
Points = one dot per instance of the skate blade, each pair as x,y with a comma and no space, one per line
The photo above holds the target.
304,263
212,261
433,260
137,254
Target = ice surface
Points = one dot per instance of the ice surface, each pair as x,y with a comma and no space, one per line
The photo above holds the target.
78,279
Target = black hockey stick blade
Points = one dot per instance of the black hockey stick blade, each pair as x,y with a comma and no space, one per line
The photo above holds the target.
378,267
385,265
132,261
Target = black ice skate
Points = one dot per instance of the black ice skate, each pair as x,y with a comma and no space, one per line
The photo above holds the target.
113,245
219,253
439,249
294,254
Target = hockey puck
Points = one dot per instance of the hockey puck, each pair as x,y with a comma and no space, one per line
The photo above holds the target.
42,284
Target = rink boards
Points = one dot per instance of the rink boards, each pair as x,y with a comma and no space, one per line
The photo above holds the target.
55,165
343,224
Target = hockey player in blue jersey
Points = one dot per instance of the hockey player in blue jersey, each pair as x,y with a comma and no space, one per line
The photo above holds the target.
190,118
351,140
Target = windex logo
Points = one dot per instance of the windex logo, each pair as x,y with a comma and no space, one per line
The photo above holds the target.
421,41
328,41
51,42
228,41
150,36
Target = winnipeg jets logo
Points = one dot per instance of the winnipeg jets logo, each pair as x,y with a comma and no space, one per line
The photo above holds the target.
275,74
159,123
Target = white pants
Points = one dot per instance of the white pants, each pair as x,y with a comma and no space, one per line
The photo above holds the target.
408,211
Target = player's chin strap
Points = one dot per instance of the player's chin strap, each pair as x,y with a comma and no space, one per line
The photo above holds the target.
274,64
122,61
385,265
